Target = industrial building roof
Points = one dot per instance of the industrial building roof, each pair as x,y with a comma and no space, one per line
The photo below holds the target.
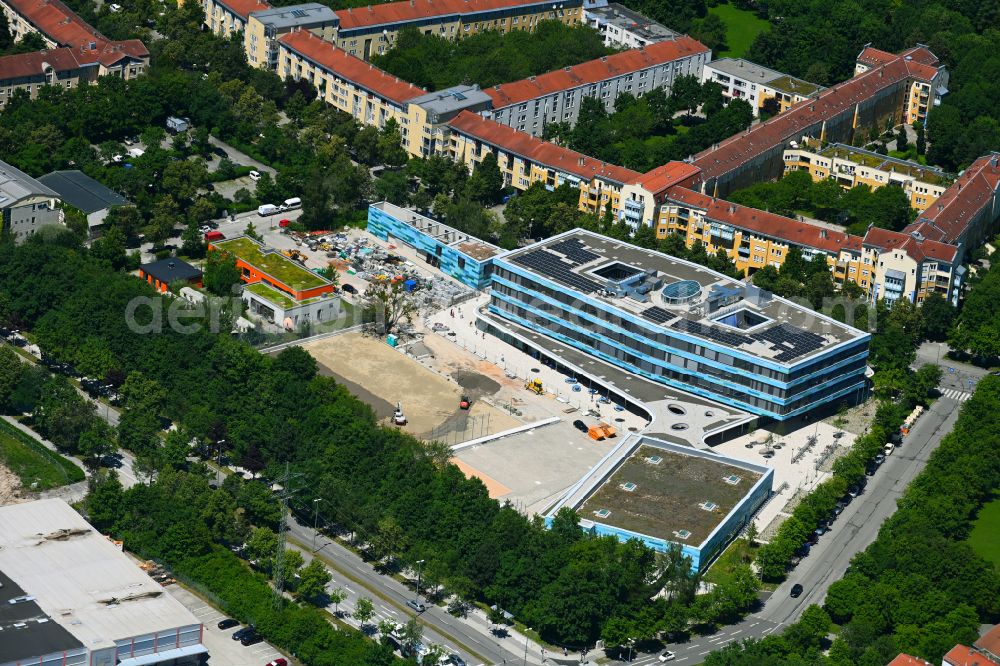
24,626
297,15
682,297
16,185
79,578
536,150
414,10
594,71
634,22
357,71
81,191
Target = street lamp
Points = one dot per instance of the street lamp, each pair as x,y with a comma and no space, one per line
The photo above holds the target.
420,569
218,461
527,629
315,520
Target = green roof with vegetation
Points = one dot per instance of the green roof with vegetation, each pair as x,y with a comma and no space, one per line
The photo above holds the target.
271,262
271,294
790,84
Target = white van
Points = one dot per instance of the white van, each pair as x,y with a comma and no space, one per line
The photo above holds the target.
267,209
294,202
136,152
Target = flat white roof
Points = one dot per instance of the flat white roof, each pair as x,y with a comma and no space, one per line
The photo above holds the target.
79,578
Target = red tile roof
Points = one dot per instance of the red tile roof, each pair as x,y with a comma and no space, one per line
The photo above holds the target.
413,10
31,64
767,224
906,660
917,249
66,59
541,152
990,641
872,56
348,67
594,71
664,177
960,655
243,8
56,21
949,217
840,99
921,54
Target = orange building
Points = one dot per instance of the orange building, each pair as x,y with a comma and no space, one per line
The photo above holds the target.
259,263
165,272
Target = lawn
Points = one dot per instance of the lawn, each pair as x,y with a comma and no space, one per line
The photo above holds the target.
33,463
985,530
737,553
741,29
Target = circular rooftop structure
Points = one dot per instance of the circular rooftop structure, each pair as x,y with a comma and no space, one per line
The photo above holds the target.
680,292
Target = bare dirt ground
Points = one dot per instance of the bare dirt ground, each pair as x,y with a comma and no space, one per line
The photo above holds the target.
10,488
381,376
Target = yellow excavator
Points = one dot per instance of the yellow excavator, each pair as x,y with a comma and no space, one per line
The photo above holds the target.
535,386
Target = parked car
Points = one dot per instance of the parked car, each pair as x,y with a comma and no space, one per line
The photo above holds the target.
255,176
854,490
796,591
228,623
251,639
879,458
666,656
455,660
416,605
280,661
348,289
245,631
580,425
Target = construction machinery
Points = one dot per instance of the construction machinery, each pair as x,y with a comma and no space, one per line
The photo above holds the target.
398,418
535,386
295,255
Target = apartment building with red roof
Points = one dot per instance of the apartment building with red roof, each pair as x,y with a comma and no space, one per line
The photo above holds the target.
901,89
70,67
55,22
989,643
962,655
906,660
556,96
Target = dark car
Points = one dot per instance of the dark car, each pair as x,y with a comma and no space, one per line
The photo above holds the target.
348,289
580,425
456,660
251,639
228,623
245,631
796,591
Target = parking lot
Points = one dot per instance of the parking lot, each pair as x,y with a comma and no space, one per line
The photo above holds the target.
222,649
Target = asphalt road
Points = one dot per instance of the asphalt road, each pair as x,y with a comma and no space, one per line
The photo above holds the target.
852,532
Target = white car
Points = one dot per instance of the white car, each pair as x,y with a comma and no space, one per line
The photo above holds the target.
667,656
115,8
255,176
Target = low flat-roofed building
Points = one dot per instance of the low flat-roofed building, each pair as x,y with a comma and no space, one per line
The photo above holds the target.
623,28
680,324
83,601
279,308
455,253
851,166
742,79
90,196
26,205
663,493
162,274
259,263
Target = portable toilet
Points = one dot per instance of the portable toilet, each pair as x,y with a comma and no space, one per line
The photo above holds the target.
410,285
391,340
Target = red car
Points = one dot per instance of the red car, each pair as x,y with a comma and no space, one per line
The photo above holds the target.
284,223
464,403
280,661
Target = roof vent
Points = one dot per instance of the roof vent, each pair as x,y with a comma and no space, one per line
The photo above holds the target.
628,487
602,513
682,534
654,460
732,479
708,506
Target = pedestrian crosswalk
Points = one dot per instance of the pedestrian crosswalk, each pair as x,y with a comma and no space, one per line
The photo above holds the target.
955,394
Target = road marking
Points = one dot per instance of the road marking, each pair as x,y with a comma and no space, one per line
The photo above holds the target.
740,631
705,652
716,638
755,624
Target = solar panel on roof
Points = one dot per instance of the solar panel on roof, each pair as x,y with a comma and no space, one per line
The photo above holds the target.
550,265
657,315
790,341
575,250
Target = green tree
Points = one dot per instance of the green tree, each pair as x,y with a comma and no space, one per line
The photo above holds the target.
364,610
337,596
902,143
221,273
937,314
261,548
12,370
390,149
313,580
486,183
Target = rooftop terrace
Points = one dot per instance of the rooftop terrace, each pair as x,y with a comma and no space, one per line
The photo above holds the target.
668,495
270,261
926,174
682,297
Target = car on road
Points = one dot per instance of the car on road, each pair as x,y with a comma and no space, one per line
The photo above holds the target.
796,591
580,425
666,656
416,605
455,660
280,661
879,458
228,623
854,490
255,176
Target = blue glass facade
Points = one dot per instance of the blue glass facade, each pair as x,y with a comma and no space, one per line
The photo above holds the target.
445,256
731,376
